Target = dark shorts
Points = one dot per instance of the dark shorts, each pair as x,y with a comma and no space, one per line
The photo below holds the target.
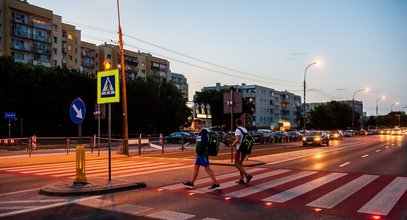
202,161
240,156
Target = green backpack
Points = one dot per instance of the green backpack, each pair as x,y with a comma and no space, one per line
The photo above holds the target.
213,146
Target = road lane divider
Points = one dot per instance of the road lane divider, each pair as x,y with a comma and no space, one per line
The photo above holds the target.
366,155
344,164
377,151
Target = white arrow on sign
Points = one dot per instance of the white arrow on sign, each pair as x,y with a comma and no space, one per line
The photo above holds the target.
78,111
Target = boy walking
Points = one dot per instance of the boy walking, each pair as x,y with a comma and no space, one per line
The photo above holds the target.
239,156
201,148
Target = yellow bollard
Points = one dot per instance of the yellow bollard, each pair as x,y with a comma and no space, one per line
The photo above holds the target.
80,165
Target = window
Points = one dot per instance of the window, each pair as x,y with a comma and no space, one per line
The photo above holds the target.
54,50
55,62
69,36
55,39
69,47
70,58
76,60
109,56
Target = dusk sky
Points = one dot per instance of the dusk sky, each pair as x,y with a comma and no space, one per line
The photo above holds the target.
360,43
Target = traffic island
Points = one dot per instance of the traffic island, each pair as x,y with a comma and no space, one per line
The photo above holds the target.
94,186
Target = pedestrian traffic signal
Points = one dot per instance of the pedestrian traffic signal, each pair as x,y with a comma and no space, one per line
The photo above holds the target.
107,65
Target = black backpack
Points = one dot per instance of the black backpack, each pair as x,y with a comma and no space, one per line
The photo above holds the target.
246,144
213,147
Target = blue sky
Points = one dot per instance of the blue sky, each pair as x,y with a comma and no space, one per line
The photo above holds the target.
361,43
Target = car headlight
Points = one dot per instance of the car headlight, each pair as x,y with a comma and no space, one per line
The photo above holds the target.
317,139
304,139
336,135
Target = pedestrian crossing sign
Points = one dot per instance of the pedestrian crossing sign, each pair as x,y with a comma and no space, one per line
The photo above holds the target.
108,86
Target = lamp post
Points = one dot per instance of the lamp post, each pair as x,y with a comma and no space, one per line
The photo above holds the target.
391,108
353,107
303,108
377,105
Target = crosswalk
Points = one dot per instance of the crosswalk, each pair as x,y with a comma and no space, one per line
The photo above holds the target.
340,193
96,168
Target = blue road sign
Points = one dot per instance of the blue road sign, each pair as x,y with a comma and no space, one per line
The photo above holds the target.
10,115
77,111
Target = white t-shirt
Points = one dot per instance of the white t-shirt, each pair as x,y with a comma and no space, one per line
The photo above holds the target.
240,134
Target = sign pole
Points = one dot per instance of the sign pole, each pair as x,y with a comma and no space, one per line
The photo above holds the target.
109,134
231,121
9,128
99,130
80,133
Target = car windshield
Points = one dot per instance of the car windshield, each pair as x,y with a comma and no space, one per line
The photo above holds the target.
313,133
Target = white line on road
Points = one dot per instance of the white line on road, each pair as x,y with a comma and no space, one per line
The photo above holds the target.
386,199
46,206
366,155
31,201
387,147
342,165
378,151
16,192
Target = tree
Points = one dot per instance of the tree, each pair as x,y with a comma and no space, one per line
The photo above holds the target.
332,115
42,96
215,100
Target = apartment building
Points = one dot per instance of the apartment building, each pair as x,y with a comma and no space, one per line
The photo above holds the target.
180,82
269,107
26,32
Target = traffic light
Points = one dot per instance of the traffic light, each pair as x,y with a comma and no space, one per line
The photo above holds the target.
107,65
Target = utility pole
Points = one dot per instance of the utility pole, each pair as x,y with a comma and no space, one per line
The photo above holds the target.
124,93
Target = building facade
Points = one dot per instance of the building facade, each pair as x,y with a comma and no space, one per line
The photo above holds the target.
180,82
35,35
269,107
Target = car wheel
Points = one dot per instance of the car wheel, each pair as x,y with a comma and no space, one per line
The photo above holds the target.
327,143
304,144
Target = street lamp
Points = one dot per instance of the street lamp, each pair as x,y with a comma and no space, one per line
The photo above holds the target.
305,115
391,108
377,106
353,107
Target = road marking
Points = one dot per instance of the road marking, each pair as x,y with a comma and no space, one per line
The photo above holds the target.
385,200
387,147
233,182
268,185
338,195
29,201
152,171
16,192
46,206
131,209
378,151
304,188
342,165
170,215
366,155
208,179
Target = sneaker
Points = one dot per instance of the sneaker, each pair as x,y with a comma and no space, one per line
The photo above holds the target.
240,182
188,184
248,178
214,186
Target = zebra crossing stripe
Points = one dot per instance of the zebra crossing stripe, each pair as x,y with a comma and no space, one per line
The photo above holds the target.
208,180
338,195
267,185
153,171
123,167
385,200
233,183
304,188
88,167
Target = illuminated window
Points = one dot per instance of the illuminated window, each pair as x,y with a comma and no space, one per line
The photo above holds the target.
70,36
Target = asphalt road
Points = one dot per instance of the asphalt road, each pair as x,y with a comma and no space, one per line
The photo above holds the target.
315,170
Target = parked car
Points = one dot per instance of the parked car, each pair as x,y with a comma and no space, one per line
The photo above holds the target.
178,137
267,135
294,135
348,133
257,136
280,136
316,138
335,135
229,138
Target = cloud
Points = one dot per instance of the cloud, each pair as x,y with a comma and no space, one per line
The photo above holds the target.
341,90
298,54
